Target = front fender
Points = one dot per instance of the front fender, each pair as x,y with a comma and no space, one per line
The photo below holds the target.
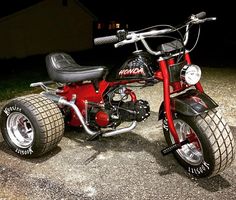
191,103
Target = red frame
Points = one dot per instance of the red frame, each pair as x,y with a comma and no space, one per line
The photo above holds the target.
87,92
163,75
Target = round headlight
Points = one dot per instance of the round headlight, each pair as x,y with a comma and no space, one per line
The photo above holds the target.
190,74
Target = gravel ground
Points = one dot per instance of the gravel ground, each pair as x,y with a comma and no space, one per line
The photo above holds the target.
128,166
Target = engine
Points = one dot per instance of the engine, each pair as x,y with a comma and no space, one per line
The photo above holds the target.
134,111
117,110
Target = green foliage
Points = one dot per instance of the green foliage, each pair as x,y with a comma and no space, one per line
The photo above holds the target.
18,84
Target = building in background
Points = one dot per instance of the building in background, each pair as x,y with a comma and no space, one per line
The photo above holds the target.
47,26
109,27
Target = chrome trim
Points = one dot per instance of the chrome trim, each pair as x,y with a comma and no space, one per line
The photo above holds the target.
87,129
122,130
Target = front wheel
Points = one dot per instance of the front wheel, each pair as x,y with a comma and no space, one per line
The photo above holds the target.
211,148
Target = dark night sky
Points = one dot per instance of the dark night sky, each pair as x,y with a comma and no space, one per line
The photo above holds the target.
148,12
217,38
151,11
140,14
219,35
11,6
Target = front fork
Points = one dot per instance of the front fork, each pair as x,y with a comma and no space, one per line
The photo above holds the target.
166,89
167,108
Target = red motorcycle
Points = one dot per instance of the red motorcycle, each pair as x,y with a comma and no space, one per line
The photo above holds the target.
100,100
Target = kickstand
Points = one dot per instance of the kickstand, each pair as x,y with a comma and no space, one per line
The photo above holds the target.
95,136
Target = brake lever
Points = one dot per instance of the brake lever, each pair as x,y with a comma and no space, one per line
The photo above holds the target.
199,21
130,38
211,19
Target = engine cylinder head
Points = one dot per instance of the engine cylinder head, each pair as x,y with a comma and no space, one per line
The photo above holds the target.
102,118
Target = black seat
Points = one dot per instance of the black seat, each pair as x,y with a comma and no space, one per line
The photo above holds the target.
62,68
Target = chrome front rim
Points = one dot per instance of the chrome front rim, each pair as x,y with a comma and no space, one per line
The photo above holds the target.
20,130
192,152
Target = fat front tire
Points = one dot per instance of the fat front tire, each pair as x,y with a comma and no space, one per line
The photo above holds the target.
31,125
211,149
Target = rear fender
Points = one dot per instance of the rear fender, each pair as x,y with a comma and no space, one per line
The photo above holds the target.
191,103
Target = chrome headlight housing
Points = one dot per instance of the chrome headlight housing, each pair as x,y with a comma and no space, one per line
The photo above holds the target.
190,74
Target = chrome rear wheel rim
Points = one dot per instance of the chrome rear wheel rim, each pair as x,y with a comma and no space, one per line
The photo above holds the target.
20,130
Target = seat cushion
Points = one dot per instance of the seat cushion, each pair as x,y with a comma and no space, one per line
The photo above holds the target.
62,68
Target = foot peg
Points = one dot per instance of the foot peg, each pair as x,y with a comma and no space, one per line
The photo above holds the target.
93,137
173,147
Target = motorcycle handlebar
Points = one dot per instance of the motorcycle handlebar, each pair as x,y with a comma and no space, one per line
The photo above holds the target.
201,15
106,40
132,37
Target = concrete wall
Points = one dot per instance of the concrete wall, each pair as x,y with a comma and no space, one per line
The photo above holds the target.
45,27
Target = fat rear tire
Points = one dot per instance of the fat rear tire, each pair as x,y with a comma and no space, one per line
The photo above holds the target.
214,140
31,125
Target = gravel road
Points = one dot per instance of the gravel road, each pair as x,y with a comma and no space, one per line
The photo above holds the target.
128,166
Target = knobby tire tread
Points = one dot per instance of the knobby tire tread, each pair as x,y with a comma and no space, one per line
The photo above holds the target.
220,138
49,118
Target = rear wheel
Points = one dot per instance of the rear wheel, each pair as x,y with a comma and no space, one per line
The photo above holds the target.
31,125
211,148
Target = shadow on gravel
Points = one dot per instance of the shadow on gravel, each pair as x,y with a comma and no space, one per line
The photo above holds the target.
127,142
233,129
132,142
214,184
45,157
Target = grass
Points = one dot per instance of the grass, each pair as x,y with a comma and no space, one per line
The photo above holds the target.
18,73
14,88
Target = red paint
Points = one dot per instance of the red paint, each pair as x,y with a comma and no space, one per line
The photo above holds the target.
187,58
131,94
171,61
192,137
179,89
199,87
102,118
167,104
85,92
158,75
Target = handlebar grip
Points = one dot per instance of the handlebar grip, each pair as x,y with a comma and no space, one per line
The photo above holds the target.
201,15
106,40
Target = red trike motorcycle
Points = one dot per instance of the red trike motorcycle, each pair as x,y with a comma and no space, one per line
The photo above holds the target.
100,100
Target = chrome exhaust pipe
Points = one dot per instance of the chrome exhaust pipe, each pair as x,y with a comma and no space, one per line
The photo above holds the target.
79,115
62,101
119,131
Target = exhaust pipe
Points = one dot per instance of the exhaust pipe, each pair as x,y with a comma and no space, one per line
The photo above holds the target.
60,100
